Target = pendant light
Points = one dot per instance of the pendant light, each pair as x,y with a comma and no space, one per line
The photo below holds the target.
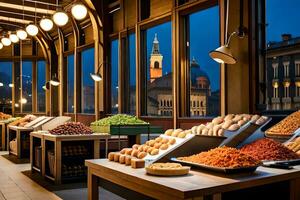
13,37
54,81
60,18
97,76
5,41
79,11
223,53
32,29
21,34
46,24
1,45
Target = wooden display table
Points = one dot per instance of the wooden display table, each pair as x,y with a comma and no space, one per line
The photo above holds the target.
56,143
36,141
134,183
21,134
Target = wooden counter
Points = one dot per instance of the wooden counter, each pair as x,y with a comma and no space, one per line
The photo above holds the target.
196,185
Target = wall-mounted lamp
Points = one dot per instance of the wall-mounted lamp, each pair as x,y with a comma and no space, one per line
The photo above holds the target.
54,81
46,86
97,76
223,53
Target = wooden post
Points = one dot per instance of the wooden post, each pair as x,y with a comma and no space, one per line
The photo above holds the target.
93,190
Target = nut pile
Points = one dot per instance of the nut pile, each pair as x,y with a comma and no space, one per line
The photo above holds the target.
268,149
4,116
294,145
229,122
226,157
71,128
287,126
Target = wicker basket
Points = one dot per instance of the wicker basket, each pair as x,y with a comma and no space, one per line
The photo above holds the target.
51,161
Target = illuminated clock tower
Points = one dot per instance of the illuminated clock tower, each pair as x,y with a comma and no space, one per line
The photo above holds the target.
155,61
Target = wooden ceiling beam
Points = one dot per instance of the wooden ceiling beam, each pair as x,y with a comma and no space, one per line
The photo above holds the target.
26,8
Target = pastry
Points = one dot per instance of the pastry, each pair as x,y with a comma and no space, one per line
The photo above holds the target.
150,149
165,141
111,156
172,141
128,160
141,148
217,120
167,169
164,146
157,145
221,132
151,143
241,122
128,151
182,135
134,153
117,157
200,128
159,139
122,159
154,152
137,163
145,149
176,132
229,117
169,132
205,131
136,146
142,155
233,127
227,124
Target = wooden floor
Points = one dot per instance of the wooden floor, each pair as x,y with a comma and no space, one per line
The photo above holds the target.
16,186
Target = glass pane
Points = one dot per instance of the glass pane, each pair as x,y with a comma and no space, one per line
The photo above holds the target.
159,70
132,74
88,86
204,72
283,59
17,87
5,86
41,81
114,76
70,83
26,100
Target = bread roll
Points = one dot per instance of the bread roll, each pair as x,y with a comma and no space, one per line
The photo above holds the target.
141,148
150,149
164,146
154,152
136,146
233,127
241,122
200,128
237,118
111,156
182,135
134,153
152,143
157,145
128,160
210,132
254,118
216,129
209,125
117,157
123,151
172,141
176,132
194,129
221,132
218,120
128,151
205,131
227,124
169,132
122,159
142,155
158,139
146,147
165,141
229,117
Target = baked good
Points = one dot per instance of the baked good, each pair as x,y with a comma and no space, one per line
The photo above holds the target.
136,146
154,152
128,160
172,141
176,132
181,135
142,155
164,146
152,143
158,139
227,124
165,141
128,151
117,157
150,149
134,153
233,127
167,169
229,117
137,163
169,132
141,148
111,156
218,120
122,159
157,145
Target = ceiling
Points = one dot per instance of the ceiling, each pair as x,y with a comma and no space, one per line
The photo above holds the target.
15,14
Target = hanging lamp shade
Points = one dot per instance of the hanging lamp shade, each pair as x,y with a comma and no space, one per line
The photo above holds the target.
60,18
79,11
96,76
1,45
54,81
223,55
22,34
46,24
14,38
32,30
5,41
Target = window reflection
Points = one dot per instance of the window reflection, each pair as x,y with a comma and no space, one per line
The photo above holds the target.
26,99
41,81
5,86
70,83
114,76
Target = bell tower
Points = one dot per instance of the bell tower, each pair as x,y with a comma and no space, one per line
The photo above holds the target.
155,61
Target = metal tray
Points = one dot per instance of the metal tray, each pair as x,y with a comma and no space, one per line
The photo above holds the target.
217,169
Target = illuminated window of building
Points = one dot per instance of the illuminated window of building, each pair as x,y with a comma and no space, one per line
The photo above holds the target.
275,92
87,83
26,100
202,83
286,92
114,60
297,68
6,86
275,70
70,83
132,73
157,69
41,81
286,69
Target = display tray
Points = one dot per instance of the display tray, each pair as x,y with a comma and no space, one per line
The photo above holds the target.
168,172
217,169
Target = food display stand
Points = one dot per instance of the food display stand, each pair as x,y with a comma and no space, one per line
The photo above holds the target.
3,129
134,183
54,148
22,136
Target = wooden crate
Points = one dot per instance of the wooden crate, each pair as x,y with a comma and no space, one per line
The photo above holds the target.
57,142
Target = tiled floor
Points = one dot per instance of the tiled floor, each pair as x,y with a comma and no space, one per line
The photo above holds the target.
14,185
